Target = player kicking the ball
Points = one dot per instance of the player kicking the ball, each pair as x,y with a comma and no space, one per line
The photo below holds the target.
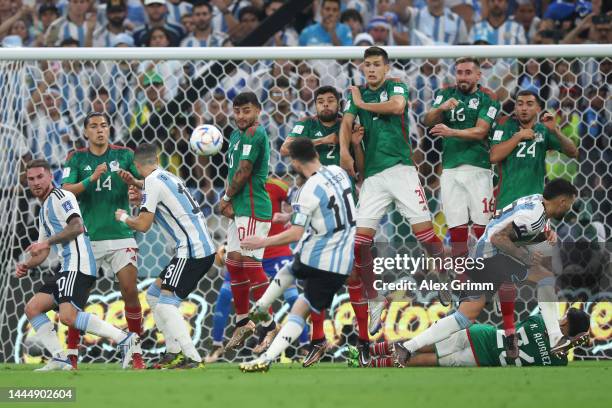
502,246
322,221
99,176
390,177
483,345
247,204
166,201
61,227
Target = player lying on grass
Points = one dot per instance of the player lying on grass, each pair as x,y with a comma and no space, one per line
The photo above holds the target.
166,201
323,222
505,258
483,345
61,227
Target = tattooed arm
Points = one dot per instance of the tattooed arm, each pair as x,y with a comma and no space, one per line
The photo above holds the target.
237,183
504,241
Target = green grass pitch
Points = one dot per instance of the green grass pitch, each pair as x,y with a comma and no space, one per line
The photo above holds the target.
581,384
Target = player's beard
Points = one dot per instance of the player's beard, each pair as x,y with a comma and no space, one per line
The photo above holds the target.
466,87
246,126
328,116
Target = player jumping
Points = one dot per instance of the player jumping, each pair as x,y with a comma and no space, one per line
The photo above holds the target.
505,259
99,176
324,209
247,204
61,227
483,345
166,201
390,177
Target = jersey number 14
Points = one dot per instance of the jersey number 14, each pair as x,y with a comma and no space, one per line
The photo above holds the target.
107,184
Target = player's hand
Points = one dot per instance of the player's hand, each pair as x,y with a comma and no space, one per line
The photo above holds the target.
220,256
21,270
357,135
441,130
348,164
119,213
329,139
449,104
134,195
551,236
127,177
92,19
253,242
548,120
36,248
226,209
356,94
525,134
99,171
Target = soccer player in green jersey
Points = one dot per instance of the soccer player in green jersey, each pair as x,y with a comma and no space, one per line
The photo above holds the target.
483,345
247,204
99,176
519,146
324,129
462,115
390,177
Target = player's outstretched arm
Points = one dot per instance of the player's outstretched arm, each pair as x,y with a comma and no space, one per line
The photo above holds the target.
346,131
293,234
502,150
436,114
504,241
478,132
567,146
141,223
73,229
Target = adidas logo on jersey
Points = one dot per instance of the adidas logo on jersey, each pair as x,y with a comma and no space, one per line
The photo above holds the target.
318,134
87,168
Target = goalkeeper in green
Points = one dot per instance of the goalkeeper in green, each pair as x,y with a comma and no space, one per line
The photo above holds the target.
99,176
483,345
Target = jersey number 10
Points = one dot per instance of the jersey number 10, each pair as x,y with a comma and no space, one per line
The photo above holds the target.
333,205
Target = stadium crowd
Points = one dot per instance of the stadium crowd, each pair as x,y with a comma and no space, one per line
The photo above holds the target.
163,100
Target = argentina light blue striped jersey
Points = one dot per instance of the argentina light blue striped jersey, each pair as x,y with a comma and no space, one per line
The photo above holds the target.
56,211
325,206
177,213
528,219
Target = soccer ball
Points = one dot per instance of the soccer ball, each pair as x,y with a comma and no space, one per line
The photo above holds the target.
206,140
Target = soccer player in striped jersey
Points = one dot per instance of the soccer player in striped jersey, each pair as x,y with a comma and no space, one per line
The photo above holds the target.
390,177
61,228
323,222
505,259
482,345
166,201
99,176
247,204
518,147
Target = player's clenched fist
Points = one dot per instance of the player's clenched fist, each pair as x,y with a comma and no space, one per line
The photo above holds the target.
99,171
357,135
121,215
525,134
450,104
548,120
441,130
21,270
226,208
347,163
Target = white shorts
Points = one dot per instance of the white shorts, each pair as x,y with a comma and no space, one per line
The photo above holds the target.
467,193
455,351
241,227
399,184
115,254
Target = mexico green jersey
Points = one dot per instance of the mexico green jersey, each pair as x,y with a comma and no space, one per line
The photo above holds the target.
534,347
522,172
252,145
477,105
312,128
386,141
102,198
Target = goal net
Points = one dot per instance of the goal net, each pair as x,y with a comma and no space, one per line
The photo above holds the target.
159,96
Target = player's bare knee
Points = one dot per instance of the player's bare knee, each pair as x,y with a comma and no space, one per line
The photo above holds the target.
32,309
68,317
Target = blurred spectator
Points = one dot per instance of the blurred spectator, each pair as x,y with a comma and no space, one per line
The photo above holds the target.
249,18
47,14
187,23
286,37
385,9
156,12
225,15
497,29
330,31
307,84
203,35
353,19
380,30
439,23
136,12
596,116
171,71
525,15
499,75
73,80
5,10
604,72
50,134
469,10
151,122
563,77
279,121
78,24
365,9
176,10
534,77
116,14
